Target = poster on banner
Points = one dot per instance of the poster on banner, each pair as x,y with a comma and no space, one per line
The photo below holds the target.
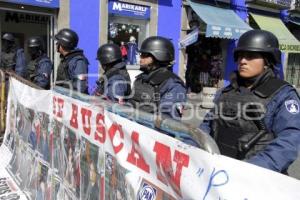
77,150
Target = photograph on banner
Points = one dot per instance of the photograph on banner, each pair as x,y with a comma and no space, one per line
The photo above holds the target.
10,137
148,190
57,188
23,122
92,170
15,163
35,132
43,189
8,189
116,183
69,195
27,159
57,131
43,139
27,172
31,184
71,159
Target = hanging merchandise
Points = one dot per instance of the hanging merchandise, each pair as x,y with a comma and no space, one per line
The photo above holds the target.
113,30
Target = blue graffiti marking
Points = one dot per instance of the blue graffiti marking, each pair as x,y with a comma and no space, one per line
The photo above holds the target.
211,180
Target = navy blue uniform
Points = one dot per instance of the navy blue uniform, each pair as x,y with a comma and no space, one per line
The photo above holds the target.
14,60
74,69
159,91
282,119
42,74
115,83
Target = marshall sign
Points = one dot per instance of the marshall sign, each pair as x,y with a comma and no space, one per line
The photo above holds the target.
129,10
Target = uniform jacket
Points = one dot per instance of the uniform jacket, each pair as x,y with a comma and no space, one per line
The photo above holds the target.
171,93
115,83
282,118
74,68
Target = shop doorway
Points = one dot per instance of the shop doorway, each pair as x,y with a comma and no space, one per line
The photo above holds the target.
128,33
24,24
205,63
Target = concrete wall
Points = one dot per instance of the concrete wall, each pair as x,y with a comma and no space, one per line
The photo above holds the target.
84,19
169,24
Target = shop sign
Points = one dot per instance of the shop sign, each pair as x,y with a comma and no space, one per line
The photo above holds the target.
129,10
14,17
289,47
189,39
39,3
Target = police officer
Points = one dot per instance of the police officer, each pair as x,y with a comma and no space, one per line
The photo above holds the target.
12,57
42,64
115,83
73,69
256,117
157,89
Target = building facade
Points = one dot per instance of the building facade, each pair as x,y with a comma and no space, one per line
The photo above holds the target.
204,33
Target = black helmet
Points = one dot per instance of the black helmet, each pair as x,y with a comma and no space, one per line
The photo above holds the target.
259,41
160,48
109,53
67,38
35,42
8,37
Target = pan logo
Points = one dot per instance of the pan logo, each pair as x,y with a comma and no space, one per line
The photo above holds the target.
147,192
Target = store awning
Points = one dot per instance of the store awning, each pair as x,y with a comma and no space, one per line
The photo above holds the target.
221,23
287,41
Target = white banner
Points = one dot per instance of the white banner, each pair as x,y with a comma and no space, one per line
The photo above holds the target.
63,148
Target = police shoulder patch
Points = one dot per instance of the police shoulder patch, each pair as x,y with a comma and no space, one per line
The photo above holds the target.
292,106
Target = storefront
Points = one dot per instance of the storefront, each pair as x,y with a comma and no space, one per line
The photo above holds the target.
211,30
288,44
29,18
128,26
292,72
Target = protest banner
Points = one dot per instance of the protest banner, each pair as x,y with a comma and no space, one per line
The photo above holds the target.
58,147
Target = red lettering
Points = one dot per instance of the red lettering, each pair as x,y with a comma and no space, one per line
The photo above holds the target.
74,121
112,133
135,157
100,128
164,165
85,113
60,107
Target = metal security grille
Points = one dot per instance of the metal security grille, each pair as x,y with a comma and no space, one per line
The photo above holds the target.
293,69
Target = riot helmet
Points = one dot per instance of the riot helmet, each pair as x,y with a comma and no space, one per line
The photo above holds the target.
35,46
160,48
8,42
109,53
8,37
260,41
67,38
